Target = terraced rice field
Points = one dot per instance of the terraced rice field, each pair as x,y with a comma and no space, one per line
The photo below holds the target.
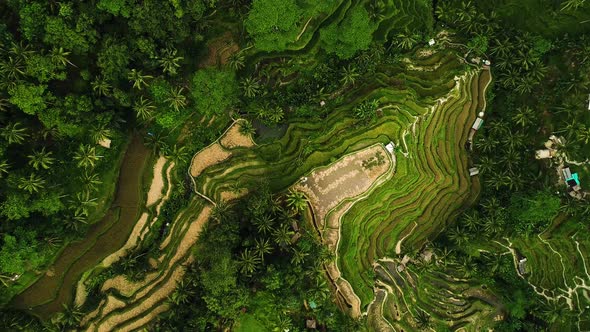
558,266
364,213
446,298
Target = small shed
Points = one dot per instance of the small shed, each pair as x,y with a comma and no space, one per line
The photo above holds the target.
473,171
589,102
477,124
431,42
573,181
544,154
522,265
390,147
567,174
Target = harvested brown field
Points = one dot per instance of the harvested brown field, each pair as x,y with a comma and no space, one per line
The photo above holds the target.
332,190
233,138
143,302
157,185
209,156
326,187
110,324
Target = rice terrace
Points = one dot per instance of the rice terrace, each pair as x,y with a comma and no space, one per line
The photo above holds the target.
294,165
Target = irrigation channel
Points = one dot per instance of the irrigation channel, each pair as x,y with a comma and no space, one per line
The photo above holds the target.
46,296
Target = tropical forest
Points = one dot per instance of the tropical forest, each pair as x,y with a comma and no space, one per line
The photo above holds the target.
294,165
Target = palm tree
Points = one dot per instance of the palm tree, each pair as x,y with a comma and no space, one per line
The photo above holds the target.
138,78
169,61
4,167
248,261
406,40
246,128
492,226
276,115
155,141
182,293
471,221
176,99
12,69
14,133
458,236
525,84
250,87
349,75
282,235
21,51
60,56
70,317
524,116
584,135
82,203
497,180
41,159
32,184
572,4
264,224
90,181
73,222
503,48
262,247
296,200
298,256
177,154
86,156
100,133
236,61
486,164
283,323
486,144
144,109
422,319
467,266
101,87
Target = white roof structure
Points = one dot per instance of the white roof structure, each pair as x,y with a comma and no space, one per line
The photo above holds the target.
477,124
390,147
589,102
431,42
567,174
473,171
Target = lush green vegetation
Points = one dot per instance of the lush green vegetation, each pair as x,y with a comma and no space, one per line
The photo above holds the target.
84,84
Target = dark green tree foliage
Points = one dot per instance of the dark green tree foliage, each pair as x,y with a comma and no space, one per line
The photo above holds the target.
214,91
274,23
354,33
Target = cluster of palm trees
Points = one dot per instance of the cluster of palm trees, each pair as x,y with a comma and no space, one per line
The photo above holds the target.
274,229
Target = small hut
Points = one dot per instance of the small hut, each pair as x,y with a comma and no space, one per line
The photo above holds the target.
473,171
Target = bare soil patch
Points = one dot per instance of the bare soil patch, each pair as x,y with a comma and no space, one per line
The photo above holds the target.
233,138
348,177
209,156
217,152
157,185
